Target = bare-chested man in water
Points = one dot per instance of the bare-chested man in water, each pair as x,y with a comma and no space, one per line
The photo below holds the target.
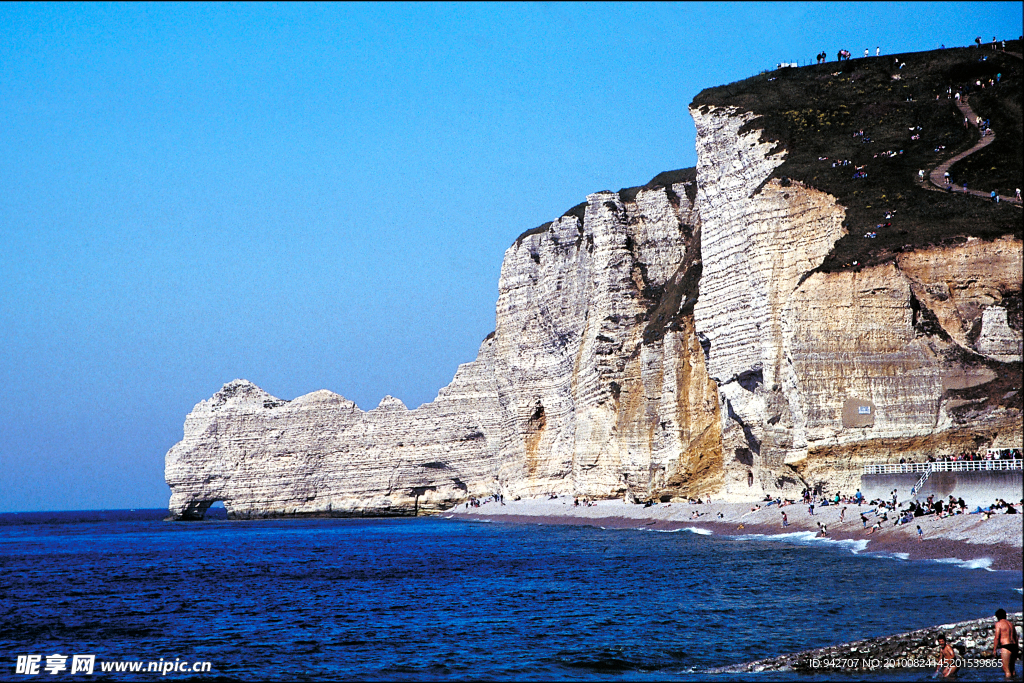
947,658
1005,645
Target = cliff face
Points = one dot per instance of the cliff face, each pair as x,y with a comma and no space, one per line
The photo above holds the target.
692,337
593,383
598,396
821,371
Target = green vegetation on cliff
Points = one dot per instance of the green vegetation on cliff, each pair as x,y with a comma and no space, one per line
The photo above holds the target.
815,115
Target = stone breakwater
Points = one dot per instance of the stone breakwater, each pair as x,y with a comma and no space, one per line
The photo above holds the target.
914,650
672,340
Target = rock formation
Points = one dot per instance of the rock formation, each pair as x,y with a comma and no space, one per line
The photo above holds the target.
677,339
322,455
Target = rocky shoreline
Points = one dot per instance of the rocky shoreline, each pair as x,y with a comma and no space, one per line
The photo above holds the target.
995,543
913,650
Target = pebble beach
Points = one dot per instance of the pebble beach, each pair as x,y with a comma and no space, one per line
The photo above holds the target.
994,543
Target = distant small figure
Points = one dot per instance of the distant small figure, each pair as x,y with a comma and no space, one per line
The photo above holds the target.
994,197
1017,195
842,515
785,520
810,509
920,534
978,41
866,52
878,51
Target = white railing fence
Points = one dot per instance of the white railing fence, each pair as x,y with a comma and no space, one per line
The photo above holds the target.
945,466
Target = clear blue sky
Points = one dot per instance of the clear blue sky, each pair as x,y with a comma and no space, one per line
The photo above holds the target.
319,196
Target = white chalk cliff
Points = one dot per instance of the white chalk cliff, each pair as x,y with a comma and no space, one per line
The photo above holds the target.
652,343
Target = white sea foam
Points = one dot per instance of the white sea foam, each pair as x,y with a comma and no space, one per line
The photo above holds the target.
891,556
980,563
855,546
697,530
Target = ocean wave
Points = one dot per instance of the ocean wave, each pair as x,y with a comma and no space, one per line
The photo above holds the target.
698,530
855,546
893,556
980,563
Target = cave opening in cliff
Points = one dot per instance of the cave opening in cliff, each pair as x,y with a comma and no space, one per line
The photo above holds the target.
197,510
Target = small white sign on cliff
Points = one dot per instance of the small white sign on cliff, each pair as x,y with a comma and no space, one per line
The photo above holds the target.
858,413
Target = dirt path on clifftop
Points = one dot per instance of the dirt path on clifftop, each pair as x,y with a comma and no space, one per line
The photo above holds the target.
937,176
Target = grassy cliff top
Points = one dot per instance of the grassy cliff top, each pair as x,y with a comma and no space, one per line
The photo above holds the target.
815,114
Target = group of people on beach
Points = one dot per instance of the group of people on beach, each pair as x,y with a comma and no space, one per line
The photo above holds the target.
477,502
882,510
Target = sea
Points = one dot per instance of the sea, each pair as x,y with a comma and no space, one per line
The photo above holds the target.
428,598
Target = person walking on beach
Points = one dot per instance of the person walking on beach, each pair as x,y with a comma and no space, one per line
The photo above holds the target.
785,520
1004,643
810,509
842,515
920,534
947,658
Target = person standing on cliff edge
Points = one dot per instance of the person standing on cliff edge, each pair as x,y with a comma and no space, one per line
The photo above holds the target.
1004,643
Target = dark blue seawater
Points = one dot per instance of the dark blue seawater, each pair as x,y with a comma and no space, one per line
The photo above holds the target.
429,599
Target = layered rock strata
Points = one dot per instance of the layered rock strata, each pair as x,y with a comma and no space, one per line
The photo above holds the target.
588,405
321,455
680,339
578,390
793,348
